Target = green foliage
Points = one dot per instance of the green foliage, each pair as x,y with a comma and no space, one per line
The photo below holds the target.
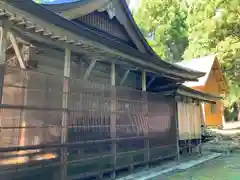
37,1
194,28
233,97
166,21
214,27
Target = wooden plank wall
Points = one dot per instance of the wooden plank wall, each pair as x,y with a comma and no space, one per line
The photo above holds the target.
189,121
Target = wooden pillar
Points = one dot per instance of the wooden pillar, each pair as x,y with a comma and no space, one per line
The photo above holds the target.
65,115
144,83
189,125
146,133
177,128
113,123
200,140
203,125
3,47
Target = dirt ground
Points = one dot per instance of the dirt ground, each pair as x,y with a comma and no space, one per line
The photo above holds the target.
226,167
225,141
223,168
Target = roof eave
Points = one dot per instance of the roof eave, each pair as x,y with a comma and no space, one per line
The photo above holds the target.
137,30
186,91
75,5
52,22
181,90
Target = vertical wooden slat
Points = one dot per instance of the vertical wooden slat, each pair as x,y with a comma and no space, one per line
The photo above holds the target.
64,130
113,122
146,133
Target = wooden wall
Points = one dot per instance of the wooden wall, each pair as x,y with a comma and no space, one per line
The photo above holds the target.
212,86
189,120
213,118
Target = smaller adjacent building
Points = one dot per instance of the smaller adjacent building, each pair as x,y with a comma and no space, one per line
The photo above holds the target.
189,113
213,82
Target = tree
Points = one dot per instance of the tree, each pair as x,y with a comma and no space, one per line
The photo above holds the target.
214,27
163,23
37,1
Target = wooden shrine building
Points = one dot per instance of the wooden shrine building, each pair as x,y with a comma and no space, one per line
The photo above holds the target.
77,92
213,82
190,117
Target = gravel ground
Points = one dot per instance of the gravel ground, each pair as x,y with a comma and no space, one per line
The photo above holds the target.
225,168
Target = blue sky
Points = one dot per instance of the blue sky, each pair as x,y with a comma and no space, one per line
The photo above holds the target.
133,4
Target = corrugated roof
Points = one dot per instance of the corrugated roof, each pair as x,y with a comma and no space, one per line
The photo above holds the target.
202,64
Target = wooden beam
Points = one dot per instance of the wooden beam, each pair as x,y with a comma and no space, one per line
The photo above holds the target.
58,31
17,50
124,77
170,85
150,82
60,44
38,39
89,69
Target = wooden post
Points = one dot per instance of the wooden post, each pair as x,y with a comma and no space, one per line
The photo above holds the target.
3,46
64,129
146,134
144,85
203,126
200,116
189,126
177,129
113,118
